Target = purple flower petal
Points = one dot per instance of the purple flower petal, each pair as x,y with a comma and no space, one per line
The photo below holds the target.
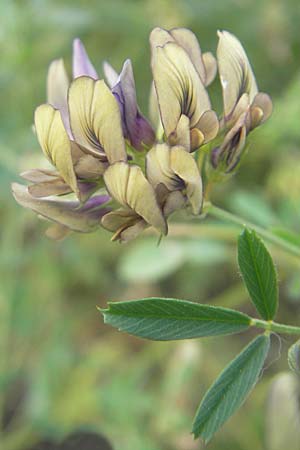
82,65
136,128
141,132
95,202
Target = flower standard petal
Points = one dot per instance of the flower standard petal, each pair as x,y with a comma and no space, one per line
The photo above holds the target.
95,119
187,40
55,142
205,64
178,86
128,185
236,74
159,37
57,91
57,85
81,62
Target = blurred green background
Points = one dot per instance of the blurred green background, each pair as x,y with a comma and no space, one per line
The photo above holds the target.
61,369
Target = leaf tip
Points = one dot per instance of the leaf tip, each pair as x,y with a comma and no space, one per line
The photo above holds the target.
197,434
104,312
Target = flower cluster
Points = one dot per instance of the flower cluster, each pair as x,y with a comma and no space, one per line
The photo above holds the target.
110,166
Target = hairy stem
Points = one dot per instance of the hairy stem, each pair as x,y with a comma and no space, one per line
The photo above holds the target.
275,327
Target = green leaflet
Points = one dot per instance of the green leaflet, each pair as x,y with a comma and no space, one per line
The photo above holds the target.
167,319
231,388
258,273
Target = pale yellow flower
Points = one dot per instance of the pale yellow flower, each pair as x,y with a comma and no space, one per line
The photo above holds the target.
176,170
95,120
240,91
129,187
183,101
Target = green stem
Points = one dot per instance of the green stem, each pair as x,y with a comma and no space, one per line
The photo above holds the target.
219,213
275,327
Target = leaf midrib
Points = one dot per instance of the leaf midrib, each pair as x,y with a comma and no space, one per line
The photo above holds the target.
180,318
260,282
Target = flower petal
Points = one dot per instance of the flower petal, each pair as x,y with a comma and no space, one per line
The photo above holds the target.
174,202
67,213
236,74
82,65
182,135
185,167
110,74
160,37
89,167
125,224
228,155
242,106
264,103
124,89
154,109
95,119
178,86
57,91
205,64
115,220
141,133
57,232
208,125
128,185
55,142
136,128
132,231
211,67
187,40
39,175
48,188
158,168
197,139
177,170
